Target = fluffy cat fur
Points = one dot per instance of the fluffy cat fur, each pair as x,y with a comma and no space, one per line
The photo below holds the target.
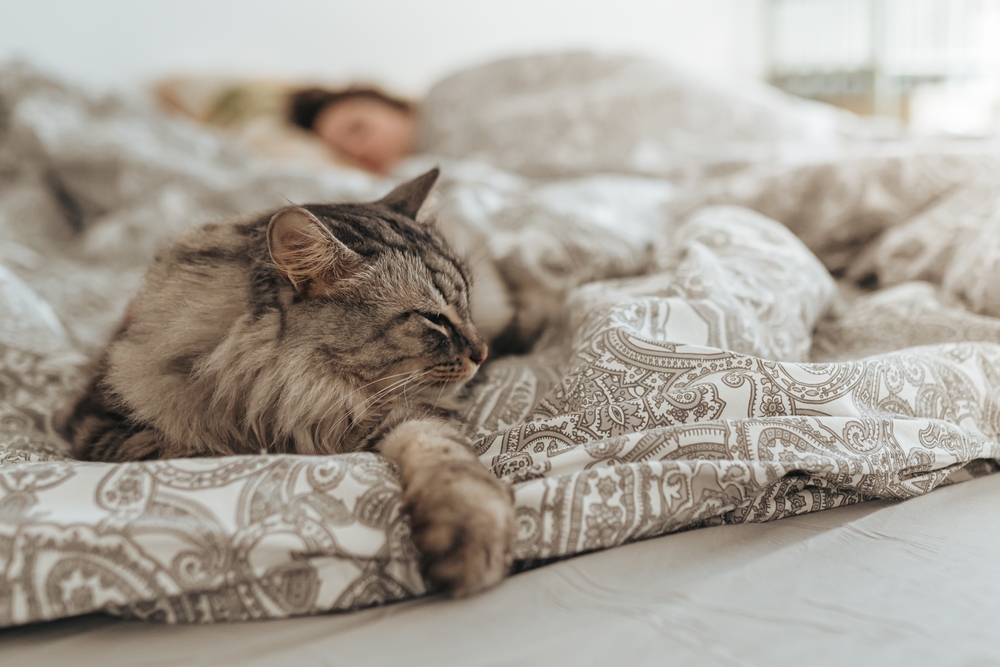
316,329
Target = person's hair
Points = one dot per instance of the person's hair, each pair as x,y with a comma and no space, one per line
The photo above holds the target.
306,104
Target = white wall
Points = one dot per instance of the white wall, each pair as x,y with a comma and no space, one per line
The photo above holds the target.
400,43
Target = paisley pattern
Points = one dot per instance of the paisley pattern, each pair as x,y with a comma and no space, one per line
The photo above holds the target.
698,367
202,541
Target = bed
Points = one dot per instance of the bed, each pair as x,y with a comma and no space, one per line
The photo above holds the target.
688,257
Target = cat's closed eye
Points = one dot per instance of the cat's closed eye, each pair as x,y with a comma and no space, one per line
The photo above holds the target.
437,319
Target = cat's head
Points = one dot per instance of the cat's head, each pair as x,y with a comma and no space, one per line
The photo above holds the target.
375,294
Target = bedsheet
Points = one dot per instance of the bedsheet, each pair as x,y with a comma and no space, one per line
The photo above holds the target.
673,385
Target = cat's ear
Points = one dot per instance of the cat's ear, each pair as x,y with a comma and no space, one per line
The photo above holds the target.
307,253
409,197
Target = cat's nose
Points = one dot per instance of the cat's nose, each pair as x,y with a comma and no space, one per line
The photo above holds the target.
479,356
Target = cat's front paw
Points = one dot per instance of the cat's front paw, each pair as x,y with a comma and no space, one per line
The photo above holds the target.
463,525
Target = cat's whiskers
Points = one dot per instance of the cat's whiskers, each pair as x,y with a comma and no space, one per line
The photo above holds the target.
370,403
437,401
344,400
400,384
406,398
382,379
417,381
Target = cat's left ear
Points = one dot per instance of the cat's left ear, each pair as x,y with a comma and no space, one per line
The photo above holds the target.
410,196
307,252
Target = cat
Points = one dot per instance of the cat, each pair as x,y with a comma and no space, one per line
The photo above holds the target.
315,329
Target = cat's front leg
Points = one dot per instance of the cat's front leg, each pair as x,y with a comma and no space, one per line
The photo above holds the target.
463,516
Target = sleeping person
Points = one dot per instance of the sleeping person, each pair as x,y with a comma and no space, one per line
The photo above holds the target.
364,125
580,113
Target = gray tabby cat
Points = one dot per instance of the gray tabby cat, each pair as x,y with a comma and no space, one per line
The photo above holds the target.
317,329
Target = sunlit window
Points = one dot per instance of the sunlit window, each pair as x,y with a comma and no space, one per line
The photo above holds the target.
935,63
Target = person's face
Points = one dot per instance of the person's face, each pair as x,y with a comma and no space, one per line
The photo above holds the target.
368,131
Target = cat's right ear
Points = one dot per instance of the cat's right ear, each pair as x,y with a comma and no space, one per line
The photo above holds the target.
307,253
410,196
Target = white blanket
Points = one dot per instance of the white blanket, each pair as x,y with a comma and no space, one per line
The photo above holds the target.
672,386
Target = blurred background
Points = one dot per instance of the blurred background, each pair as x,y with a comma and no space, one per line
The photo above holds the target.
932,63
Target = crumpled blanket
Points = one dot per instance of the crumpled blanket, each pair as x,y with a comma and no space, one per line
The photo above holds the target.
675,384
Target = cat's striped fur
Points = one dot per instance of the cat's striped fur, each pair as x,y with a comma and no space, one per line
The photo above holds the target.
317,329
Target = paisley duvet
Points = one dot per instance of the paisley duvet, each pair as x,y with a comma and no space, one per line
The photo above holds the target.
698,362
